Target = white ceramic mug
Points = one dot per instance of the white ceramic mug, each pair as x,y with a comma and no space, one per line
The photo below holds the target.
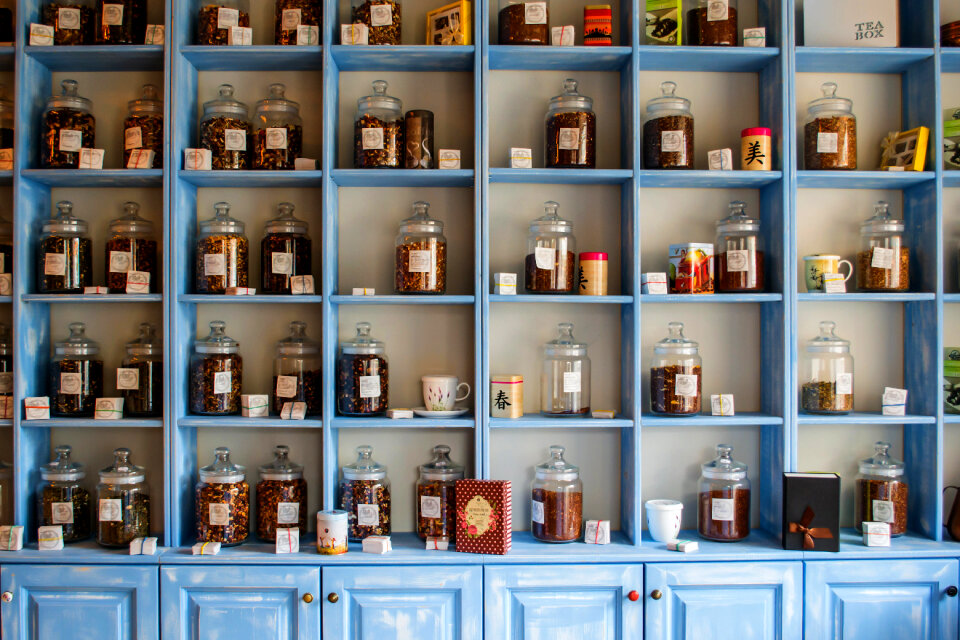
663,519
440,392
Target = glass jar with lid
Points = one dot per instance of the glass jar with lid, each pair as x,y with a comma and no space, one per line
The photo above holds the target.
216,373
143,128
556,509
225,130
281,496
72,21
571,130
382,18
676,375
131,253
421,262
285,251
668,131
223,252
6,122
120,22
436,496
724,513
526,23
298,22
365,496
76,374
713,23
826,375
296,370
550,265
6,369
277,131
223,501
739,251
363,383
61,500
378,130
830,132
6,492
883,262
68,126
218,16
140,377
123,502
951,140
881,491
565,380
65,253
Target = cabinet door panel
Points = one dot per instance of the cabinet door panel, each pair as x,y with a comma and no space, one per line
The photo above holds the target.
881,600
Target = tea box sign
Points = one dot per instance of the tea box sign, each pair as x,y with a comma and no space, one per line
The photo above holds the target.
851,23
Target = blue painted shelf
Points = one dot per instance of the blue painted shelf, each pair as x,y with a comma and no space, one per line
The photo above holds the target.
272,422
711,298
251,179
403,58
107,298
87,423
706,420
866,297
696,179
6,299
254,58
562,299
205,298
537,421
6,177
98,57
862,179
859,60
520,58
99,178
858,417
951,178
345,422
403,177
403,300
560,176
7,57
950,61
6,422
730,59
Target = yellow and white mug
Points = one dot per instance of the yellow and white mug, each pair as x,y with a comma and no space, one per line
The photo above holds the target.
817,265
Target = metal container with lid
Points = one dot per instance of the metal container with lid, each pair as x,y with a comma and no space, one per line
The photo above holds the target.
68,126
223,501
881,493
285,252
363,382
277,131
365,496
296,370
61,501
131,253
123,502
216,373
281,496
65,254
739,252
436,495
76,374
571,130
332,532
378,130
676,374
223,252
421,253
565,377
668,131
724,513
826,374
143,129
883,262
556,509
550,263
830,132
140,377
225,130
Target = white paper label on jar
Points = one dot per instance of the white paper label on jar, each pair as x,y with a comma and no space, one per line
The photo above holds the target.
128,379
68,18
672,141
133,138
717,10
844,384
113,14
685,385
227,18
111,510
61,513
721,509
6,382
370,386
290,19
372,138
71,139
535,12
138,282
222,382
738,259
214,264
234,140
308,35
381,15
546,258
281,263
420,261
429,506
571,382
827,142
276,137
288,512
882,258
71,384
54,264
883,511
536,511
286,386
219,514
120,261
368,515
569,138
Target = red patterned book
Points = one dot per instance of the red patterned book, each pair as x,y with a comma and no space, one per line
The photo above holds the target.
484,516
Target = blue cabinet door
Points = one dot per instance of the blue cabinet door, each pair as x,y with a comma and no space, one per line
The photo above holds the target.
240,603
564,602
79,602
745,600
881,600
402,603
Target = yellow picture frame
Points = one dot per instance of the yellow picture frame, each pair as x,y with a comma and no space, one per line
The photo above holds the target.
451,24
907,151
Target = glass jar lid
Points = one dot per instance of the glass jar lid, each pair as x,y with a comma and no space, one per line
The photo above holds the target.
285,222
131,223
565,344
6,342
297,343
363,342
421,222
282,468
724,467
830,101
738,221
379,99
63,468
550,222
149,102
668,100
226,104
365,468
222,222
441,467
556,468
276,102
64,221
217,341
77,343
122,471
881,222
571,98
828,341
882,463
222,470
148,343
676,343
68,98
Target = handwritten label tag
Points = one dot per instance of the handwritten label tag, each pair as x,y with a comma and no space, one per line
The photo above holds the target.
755,37
41,35
370,386
141,159
449,158
354,34
834,283
154,34
108,409
308,35
240,36
562,36
685,385
288,540
36,408
521,158
882,258
286,386
722,404
894,401
535,12
381,15
720,160
545,257
91,158
200,159
826,142
50,538
301,285
128,379
138,282
368,515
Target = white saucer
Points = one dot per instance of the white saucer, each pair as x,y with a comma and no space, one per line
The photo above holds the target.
424,413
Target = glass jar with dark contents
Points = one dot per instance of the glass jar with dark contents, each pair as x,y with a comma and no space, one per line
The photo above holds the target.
143,126
526,23
277,131
64,255
556,508
365,496
378,130
223,501
140,377
363,383
6,252
216,373
6,119
571,130
68,126
881,491
72,21
218,16
713,24
131,253
550,265
285,251
421,261
61,501
76,375
565,380
724,513
382,18
6,365
120,22
826,374
883,262
668,131
436,496
830,132
123,502
291,16
225,129
281,496
739,252
296,371
222,258
676,379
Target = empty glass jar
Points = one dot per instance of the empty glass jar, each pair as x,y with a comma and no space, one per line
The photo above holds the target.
281,496
76,375
363,384
436,495
277,131
550,264
225,130
556,508
68,126
421,261
713,23
65,253
223,501
883,262
365,496
216,373
140,377
739,252
830,132
668,131
571,130
285,251
223,252
565,380
131,253
61,500
881,491
123,502
218,16
143,129
676,375
826,373
378,130
526,23
382,18
296,370
724,513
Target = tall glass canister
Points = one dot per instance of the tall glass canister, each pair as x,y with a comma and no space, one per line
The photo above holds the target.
565,379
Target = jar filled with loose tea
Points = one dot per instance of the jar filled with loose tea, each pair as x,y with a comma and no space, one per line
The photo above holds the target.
881,491
524,22
382,18
216,373
72,21
296,370
143,128
68,126
421,262
225,130
223,501
223,252
826,376
6,492
883,262
550,265
131,253
676,374
294,19
565,381
378,130
281,496
556,509
61,501
724,513
123,502
668,131
140,377
436,496
739,252
120,22
571,130
713,24
285,251
277,131
830,132
6,366
65,253
76,374
365,496
6,119
363,383
218,16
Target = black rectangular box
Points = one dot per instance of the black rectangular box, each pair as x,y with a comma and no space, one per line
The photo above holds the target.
811,511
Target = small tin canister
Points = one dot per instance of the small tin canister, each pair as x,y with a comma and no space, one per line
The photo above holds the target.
506,396
332,532
593,274
418,137
691,268
597,25
755,146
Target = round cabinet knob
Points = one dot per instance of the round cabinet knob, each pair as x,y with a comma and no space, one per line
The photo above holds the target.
308,598
951,591
656,594
333,597
7,596
633,596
